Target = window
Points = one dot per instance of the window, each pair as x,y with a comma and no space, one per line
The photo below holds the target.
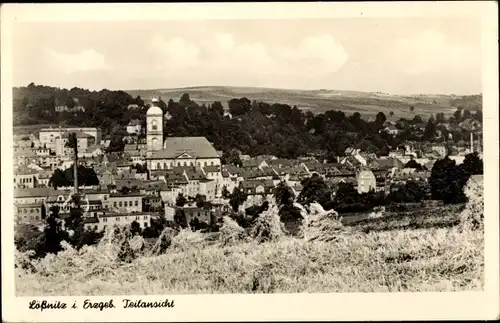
136,203
205,164
137,218
25,211
117,219
120,204
31,210
211,163
105,220
158,166
95,213
145,224
114,203
154,124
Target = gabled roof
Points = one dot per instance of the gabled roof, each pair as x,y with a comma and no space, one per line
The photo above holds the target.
198,147
254,183
312,165
234,169
93,148
39,204
130,147
35,192
211,169
135,122
251,163
26,152
388,163
195,174
23,170
268,171
283,162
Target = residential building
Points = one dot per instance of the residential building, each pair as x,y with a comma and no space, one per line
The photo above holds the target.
134,127
111,219
366,181
126,203
48,135
190,212
33,195
31,212
25,177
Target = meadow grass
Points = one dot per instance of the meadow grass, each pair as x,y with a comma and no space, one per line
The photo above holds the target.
436,259
326,257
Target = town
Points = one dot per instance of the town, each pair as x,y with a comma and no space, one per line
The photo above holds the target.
184,180
248,156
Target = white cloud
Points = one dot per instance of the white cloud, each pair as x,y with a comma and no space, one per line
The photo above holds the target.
174,53
85,61
430,51
314,55
321,53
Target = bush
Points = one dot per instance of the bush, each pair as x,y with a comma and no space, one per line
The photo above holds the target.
164,241
230,231
322,225
267,227
472,216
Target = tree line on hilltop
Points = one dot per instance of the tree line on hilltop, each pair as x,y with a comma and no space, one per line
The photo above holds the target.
254,128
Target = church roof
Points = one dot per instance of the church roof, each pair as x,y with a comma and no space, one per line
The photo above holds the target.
198,147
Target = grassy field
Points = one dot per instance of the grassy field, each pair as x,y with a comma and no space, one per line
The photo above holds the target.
422,259
438,250
368,104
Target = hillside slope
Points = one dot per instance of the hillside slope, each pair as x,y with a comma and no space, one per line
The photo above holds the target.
316,101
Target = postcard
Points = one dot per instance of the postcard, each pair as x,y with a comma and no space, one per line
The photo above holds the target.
250,161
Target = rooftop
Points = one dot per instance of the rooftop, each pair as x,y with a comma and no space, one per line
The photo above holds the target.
131,194
174,147
24,170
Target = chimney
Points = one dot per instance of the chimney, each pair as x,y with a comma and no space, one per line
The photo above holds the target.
75,166
471,142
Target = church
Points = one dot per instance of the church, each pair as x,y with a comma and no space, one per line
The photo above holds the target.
175,151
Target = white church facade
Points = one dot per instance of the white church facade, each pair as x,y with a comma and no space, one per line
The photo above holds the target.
175,151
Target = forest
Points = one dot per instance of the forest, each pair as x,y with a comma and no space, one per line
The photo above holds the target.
253,128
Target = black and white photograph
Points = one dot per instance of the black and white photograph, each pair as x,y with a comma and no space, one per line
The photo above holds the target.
228,155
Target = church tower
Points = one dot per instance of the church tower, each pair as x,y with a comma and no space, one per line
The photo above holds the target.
154,126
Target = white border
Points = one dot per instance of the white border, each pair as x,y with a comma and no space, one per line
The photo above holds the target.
293,307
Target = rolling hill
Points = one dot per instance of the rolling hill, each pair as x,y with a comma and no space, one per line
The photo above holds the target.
317,101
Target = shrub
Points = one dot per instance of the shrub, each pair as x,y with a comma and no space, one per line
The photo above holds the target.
472,217
267,227
163,242
187,239
230,231
322,225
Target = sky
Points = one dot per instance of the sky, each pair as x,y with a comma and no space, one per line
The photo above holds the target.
391,55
